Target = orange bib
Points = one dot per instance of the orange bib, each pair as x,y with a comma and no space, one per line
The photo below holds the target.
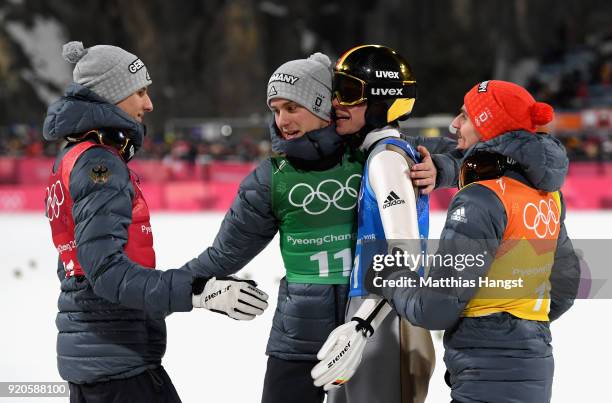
518,281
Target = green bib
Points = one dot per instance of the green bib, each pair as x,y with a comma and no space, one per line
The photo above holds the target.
317,211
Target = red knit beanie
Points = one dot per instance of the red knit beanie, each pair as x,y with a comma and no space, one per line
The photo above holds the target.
496,107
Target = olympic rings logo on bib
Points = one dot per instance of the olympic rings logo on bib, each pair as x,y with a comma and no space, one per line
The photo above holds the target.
328,192
55,198
543,218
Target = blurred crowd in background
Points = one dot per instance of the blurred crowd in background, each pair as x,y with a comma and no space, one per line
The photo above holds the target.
22,140
574,81
574,76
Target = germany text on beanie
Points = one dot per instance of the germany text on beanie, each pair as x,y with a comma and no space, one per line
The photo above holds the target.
307,82
109,71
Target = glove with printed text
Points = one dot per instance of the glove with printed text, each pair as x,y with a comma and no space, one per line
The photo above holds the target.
237,298
340,355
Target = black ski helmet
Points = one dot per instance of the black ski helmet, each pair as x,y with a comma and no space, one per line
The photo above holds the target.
379,75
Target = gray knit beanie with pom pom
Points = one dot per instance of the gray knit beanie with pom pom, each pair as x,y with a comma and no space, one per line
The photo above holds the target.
109,71
307,82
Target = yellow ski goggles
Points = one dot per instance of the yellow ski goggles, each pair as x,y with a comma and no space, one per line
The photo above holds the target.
350,90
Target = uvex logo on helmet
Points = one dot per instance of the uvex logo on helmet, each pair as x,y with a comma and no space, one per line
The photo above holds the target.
387,74
379,75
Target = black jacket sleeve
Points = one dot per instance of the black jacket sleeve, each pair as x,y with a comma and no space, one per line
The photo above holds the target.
448,165
102,213
565,274
445,156
247,228
474,225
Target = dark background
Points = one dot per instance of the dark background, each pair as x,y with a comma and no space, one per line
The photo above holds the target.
212,59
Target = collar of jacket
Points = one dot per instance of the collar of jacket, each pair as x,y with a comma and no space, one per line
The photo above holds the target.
313,146
376,135
80,110
541,157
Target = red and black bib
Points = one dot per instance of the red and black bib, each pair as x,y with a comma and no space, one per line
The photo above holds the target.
58,202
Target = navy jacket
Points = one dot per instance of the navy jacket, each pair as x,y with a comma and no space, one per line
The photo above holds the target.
110,321
305,313
544,165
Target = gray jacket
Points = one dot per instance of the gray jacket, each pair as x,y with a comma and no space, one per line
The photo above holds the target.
305,313
110,321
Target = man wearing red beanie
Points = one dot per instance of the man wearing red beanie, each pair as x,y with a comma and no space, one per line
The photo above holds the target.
497,107
513,267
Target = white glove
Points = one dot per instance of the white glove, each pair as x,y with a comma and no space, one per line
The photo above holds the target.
340,356
237,298
341,353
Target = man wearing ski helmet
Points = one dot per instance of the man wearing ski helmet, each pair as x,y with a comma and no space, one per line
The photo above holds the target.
374,88
307,193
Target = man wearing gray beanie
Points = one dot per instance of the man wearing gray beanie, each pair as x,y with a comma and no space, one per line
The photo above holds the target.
273,199
308,194
113,303
109,71
305,82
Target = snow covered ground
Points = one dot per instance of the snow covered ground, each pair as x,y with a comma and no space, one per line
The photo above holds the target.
211,358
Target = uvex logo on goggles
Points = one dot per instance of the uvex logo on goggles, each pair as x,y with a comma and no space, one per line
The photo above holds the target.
350,90
403,89
386,91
